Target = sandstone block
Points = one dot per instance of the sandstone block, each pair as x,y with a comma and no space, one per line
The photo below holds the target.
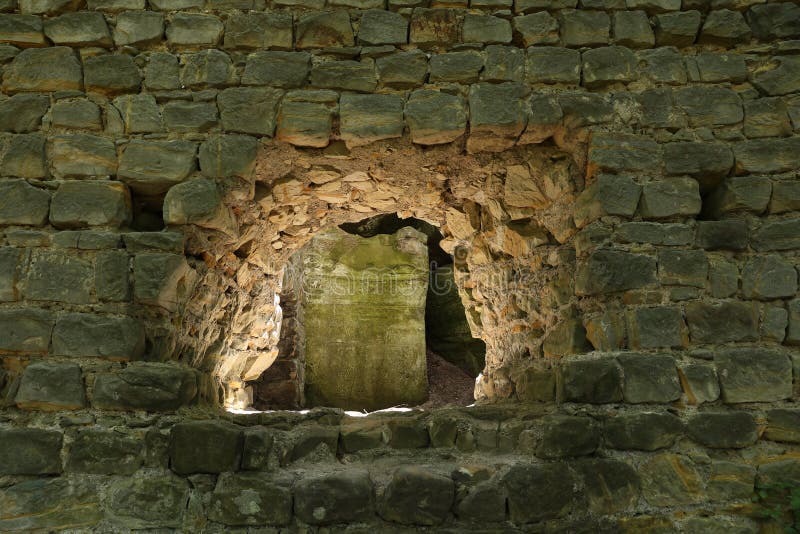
548,64
152,387
657,327
198,202
163,241
403,69
646,431
90,203
724,28
677,29
51,386
329,29
708,163
434,117
777,235
608,271
82,114
44,70
621,153
278,69
11,263
82,155
21,30
683,267
739,193
485,29
754,374
152,167
306,118
670,480
209,68
766,117
56,276
30,451
223,156
649,378
432,27
766,156
249,499
584,28
774,21
258,443
256,30
565,338
609,64
369,118
205,447
249,110
162,279
379,27
162,72
23,112
785,196
456,67
715,68
782,77
23,204
611,485
783,424
95,336
567,436
149,501
334,498
730,234
670,198
112,276
536,29
25,157
192,30
111,74
25,330
768,277
84,28
722,322
723,430
663,65
503,64
498,115
345,75
595,381
104,452
417,496
548,485
138,28
140,113
29,506
181,116
710,106
632,29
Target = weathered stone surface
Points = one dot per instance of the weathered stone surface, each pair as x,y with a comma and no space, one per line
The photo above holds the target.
184,117
403,69
45,70
111,74
82,114
715,68
731,234
21,30
278,69
777,235
191,30
23,112
224,156
754,374
700,383
198,202
90,203
710,105
57,276
739,193
431,27
498,115
730,480
670,198
647,431
25,330
249,499
706,162
649,378
112,276
324,30
249,110
596,381
152,167
766,117
369,118
314,439
549,485
632,29
766,155
774,21
96,336
81,155
30,506
151,387
460,67
620,153
104,452
485,29
657,327
209,68
609,64
683,267
611,485
51,386
434,117
379,27
162,72
677,29
334,498
608,271
148,501
724,28
256,30
140,113
655,233
417,496
781,77
258,443
345,75
163,280
30,451
138,28
85,28
21,203
567,436
306,118
723,430
768,277
205,447
536,29
549,64
722,322
584,28
783,424
670,480
11,263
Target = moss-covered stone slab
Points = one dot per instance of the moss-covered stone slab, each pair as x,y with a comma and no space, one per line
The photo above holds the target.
104,452
147,501
30,506
335,498
240,500
30,451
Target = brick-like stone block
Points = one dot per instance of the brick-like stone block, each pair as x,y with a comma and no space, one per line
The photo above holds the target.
21,30
608,64
277,69
700,383
737,194
111,75
30,451
90,203
346,75
403,69
621,153
306,118
83,155
96,336
649,378
769,277
782,79
766,156
670,198
584,28
486,29
51,386
99,451
777,235
536,29
140,113
26,330
723,430
706,162
379,27
23,204
198,202
54,275
192,30
498,115
224,156
434,117
112,276
368,118
25,157
722,322
682,267
255,30
456,67
783,424
754,374
725,28
335,498
249,110
30,505
84,28
138,28
432,27
647,431
147,502
153,387
657,327
208,68
329,29
550,64
632,29
163,280
79,114
677,29
271,501
205,447
44,70
549,485
417,496
162,72
564,435
710,105
152,167
730,234
609,271
595,381
23,112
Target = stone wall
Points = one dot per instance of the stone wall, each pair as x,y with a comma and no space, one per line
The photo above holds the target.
617,182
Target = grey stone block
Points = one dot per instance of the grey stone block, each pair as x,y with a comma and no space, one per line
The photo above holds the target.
25,157
209,68
87,335
403,69
26,330
84,28
536,29
647,431
417,496
434,117
111,74
99,451
162,72
710,106
595,381
90,203
112,276
379,27
182,116
205,447
724,28
57,276
649,378
138,28
549,485
271,501
723,430
152,387
767,277
30,451
553,65
51,386
458,67
21,30
722,322
368,118
584,28
335,498
632,29
730,234
278,69
754,374
324,30
609,271
777,235
23,204
249,110
783,79
563,436
256,30
608,64
192,30
44,70
152,167
486,29
656,327
23,112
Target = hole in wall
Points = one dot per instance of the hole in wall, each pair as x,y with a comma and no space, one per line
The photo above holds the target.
148,212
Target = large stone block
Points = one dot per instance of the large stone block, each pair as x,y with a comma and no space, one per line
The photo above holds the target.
536,29
649,378
152,167
609,64
21,30
306,118
609,271
57,276
256,30
329,29
671,480
90,203
768,277
23,112
433,27
96,336
498,115
403,69
334,498
456,67
369,118
140,113
682,267
766,117
153,387
164,280
83,155
722,321
345,75
417,496
485,29
379,27
209,68
754,374
51,386
25,157
677,29
645,431
11,263
434,117
774,21
224,156
730,234
550,486
30,451
29,506
767,156
162,72
198,202
738,193
111,74
657,327
79,114
190,117
278,69
710,105
99,451
621,153
147,501
193,30
700,382
23,204
725,28
632,29
563,436
249,110
584,28
723,430
777,235
780,77
25,330
706,162
44,70
548,64
205,447
138,28
84,28
248,499
783,424
596,381
112,276
670,198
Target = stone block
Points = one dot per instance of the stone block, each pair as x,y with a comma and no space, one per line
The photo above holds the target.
198,202
771,22
783,424
334,498
99,451
193,30
21,30
23,204
433,27
328,29
224,156
44,70
25,157
645,431
145,241
249,110
550,486
677,29
498,115
710,106
369,118
26,330
205,447
605,331
657,327
739,193
670,198
379,27
503,64
258,442
609,271
649,378
278,69
766,156
584,28
484,503
111,75
486,29
112,276
778,472
722,322
535,384
417,496
544,118
183,117
95,336
564,435
708,163
670,480
777,235
659,111
256,30
434,117
716,68
723,430
84,28
767,277
56,276
730,234
11,263
153,387
754,374
162,72
724,28
306,118
315,439
345,75
23,112
536,29
663,65
209,68
152,167
622,153
140,113
780,77
565,338
164,280
30,506
138,28
607,65
456,67
403,69
632,29
90,203
683,267
766,117
241,500
550,64
82,155
148,501
774,320
30,451
595,381
672,234
700,383
51,386
785,196
611,485
83,114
